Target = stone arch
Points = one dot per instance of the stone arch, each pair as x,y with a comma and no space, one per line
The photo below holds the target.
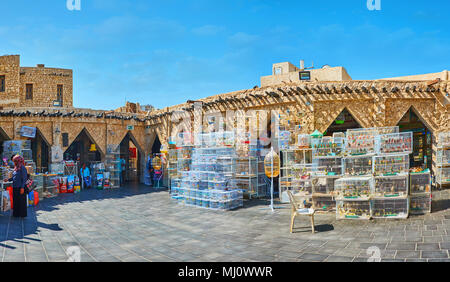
101,151
424,110
327,111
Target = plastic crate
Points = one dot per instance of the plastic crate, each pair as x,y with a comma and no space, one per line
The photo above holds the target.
420,182
354,188
353,210
326,204
332,166
391,186
357,165
390,165
395,143
420,204
389,208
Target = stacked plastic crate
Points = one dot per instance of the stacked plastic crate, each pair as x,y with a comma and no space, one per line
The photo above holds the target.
209,182
390,169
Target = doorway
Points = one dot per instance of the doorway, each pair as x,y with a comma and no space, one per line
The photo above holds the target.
40,150
344,121
422,139
132,154
83,149
3,137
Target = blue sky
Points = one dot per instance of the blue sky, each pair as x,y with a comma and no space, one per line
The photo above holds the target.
166,52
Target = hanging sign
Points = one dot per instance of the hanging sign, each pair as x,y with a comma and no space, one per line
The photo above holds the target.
28,131
130,127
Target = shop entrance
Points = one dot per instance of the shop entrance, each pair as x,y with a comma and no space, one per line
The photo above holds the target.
83,149
344,121
422,139
3,137
40,148
132,154
156,148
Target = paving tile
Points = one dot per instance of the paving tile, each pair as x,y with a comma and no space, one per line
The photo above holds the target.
434,254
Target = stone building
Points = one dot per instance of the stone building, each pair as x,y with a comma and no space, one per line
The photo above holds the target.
309,98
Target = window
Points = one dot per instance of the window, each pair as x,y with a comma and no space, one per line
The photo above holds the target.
59,94
2,83
29,92
278,71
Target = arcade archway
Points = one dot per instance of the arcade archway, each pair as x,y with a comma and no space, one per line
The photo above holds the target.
344,121
422,138
83,149
41,151
132,153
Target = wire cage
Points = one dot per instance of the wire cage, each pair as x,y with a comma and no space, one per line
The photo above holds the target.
328,166
324,203
395,143
324,185
443,176
420,204
444,139
352,209
390,208
355,188
357,165
329,147
360,141
420,182
391,186
390,165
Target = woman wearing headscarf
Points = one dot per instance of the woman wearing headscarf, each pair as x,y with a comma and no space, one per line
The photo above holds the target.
19,179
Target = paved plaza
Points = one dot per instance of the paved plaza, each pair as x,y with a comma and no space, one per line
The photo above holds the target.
139,223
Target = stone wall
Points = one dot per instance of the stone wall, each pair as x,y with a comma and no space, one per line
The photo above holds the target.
45,82
10,68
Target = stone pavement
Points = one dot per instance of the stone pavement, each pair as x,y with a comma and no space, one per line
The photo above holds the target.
138,223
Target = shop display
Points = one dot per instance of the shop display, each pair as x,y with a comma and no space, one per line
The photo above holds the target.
420,204
5,196
390,165
395,143
391,186
329,147
360,141
420,182
112,166
354,188
353,210
328,166
389,208
57,168
17,147
357,165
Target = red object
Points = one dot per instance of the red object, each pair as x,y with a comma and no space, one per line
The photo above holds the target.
36,198
133,153
10,190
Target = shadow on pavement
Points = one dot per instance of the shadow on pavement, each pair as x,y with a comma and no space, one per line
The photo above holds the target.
18,229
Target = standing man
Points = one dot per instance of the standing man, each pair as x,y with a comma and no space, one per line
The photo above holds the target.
86,176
